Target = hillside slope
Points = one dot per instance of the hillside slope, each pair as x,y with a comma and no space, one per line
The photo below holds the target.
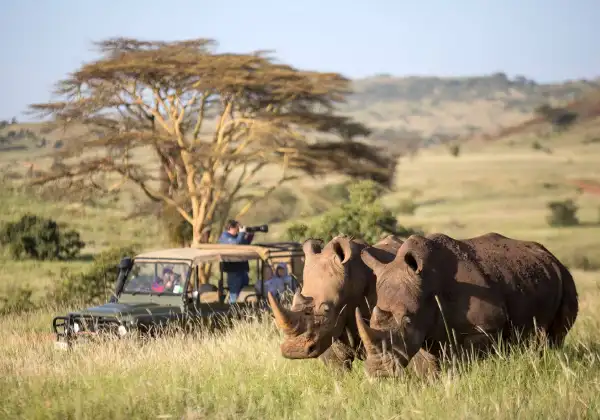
447,107
412,111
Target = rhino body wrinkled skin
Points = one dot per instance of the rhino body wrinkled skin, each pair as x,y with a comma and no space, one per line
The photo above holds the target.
321,322
480,289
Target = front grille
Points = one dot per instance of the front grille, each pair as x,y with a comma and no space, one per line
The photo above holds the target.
95,324
87,324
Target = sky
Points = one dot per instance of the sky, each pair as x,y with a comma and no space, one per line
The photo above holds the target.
545,40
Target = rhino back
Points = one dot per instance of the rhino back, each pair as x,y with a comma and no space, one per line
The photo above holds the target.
524,275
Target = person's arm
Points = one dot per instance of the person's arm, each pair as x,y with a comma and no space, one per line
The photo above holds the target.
248,238
243,237
228,239
240,238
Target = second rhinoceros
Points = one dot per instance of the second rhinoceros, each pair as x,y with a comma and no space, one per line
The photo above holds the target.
474,290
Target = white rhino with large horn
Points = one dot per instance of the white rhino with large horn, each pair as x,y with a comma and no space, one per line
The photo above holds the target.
336,281
480,288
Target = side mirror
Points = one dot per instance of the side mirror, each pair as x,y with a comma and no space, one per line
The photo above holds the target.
195,294
126,263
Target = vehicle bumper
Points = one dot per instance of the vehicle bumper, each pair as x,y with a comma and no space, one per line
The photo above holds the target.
77,328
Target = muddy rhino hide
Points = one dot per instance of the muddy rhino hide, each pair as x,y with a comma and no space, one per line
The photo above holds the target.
486,287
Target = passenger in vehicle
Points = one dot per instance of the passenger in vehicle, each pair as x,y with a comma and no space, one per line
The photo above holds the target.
281,272
165,282
273,283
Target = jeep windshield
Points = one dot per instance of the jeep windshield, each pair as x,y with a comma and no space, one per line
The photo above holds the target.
155,277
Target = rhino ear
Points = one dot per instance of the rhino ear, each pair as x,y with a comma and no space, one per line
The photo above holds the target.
413,261
370,260
416,250
343,249
312,246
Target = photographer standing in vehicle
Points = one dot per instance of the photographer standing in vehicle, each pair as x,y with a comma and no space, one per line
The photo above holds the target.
237,272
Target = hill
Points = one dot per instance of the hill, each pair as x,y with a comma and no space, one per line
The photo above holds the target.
447,107
413,111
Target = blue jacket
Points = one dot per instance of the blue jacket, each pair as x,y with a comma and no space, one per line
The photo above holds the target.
242,238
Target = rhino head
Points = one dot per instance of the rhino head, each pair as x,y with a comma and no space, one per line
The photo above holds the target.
336,281
405,311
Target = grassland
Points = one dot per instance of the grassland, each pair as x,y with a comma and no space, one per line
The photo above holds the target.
502,186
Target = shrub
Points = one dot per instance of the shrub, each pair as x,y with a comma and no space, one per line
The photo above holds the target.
454,150
363,216
39,238
17,300
563,213
95,284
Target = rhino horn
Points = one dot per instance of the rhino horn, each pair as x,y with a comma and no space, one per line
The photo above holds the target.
289,322
369,336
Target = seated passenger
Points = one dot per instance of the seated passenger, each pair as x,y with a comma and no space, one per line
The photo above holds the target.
281,273
164,283
272,283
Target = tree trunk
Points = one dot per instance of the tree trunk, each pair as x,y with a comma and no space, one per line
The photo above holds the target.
196,237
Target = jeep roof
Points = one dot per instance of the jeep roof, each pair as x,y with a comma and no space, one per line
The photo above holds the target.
218,252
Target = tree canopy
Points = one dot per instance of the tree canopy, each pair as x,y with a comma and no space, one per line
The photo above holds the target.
212,121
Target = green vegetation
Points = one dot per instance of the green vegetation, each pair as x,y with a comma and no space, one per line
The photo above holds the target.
39,238
563,213
96,284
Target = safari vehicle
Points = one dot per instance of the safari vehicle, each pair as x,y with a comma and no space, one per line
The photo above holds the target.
137,305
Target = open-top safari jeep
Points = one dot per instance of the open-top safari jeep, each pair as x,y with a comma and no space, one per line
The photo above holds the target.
137,306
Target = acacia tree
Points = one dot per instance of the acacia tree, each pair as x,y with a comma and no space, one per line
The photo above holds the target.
211,120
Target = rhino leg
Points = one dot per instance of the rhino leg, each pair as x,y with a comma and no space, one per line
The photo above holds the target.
338,355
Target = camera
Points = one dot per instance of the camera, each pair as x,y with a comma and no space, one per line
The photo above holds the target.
261,228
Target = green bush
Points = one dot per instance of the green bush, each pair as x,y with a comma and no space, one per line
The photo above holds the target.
454,150
94,285
17,300
563,213
39,238
363,216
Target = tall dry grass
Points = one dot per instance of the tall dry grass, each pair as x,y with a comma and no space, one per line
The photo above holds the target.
239,373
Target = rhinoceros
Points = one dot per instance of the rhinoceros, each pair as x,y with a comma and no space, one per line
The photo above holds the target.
321,322
475,290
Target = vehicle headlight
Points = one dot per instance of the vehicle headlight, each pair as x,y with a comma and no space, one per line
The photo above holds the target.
122,330
76,327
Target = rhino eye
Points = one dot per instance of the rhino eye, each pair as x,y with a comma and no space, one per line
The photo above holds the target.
325,308
406,320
